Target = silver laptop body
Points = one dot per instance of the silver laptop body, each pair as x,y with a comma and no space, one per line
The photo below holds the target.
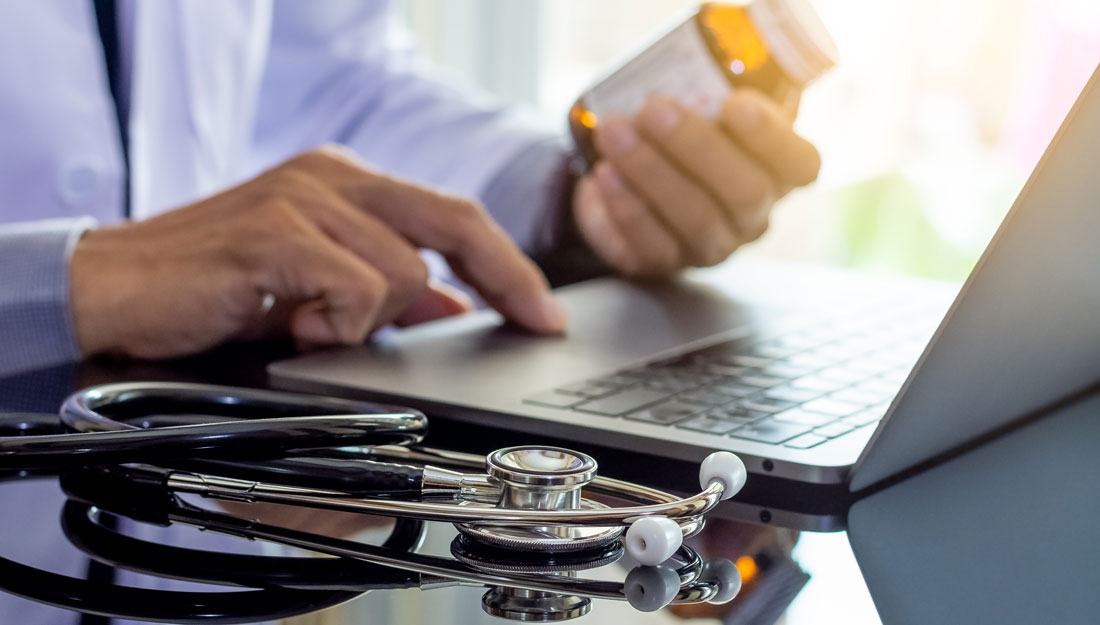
806,372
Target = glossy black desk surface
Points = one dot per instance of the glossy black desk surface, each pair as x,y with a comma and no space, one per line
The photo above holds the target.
814,577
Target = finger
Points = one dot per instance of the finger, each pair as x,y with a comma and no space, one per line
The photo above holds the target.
700,225
655,249
364,235
766,132
439,301
741,184
478,250
598,229
341,295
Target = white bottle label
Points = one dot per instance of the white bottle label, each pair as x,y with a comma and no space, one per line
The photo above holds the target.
679,65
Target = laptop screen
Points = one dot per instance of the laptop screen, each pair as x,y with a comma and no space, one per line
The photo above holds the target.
1024,331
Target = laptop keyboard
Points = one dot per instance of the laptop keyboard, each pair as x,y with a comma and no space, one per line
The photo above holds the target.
797,390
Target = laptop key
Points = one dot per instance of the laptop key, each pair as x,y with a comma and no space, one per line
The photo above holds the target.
832,407
735,413
801,417
554,399
833,430
861,419
766,404
704,396
666,413
772,351
805,441
843,374
734,389
726,370
854,395
586,389
809,361
789,393
783,370
748,361
768,431
620,380
622,402
818,383
710,423
887,390
670,386
762,381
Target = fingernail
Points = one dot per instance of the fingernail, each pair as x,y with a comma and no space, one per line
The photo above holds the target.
660,117
553,315
609,179
742,113
618,136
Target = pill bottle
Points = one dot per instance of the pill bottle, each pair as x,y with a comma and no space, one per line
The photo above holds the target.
775,46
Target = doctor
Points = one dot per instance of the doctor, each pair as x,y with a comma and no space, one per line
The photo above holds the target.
162,190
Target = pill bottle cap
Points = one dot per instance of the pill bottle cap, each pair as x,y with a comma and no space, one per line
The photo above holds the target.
795,36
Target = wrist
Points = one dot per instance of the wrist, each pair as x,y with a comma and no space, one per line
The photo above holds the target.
90,292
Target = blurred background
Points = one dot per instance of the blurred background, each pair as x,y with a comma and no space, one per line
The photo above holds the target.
928,127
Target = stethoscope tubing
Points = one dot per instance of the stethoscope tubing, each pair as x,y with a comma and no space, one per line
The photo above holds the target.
256,439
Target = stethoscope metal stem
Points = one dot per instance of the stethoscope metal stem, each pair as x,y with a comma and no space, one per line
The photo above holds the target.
461,460
249,491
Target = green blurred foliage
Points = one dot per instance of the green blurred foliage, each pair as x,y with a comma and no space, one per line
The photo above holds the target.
880,226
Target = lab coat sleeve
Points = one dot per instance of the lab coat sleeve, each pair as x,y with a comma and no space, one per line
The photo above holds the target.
35,324
339,71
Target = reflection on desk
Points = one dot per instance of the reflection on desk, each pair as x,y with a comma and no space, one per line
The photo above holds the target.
527,588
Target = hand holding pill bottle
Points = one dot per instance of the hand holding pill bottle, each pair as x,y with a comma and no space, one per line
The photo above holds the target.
774,46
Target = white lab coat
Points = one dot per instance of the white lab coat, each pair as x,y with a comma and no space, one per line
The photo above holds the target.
218,91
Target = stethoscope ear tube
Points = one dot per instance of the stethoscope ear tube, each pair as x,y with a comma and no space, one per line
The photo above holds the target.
252,439
351,477
245,430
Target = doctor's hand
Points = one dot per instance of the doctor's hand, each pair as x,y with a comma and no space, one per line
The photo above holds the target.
673,189
333,244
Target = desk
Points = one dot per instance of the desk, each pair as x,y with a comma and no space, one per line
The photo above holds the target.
993,530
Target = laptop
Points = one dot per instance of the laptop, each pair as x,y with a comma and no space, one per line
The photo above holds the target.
814,375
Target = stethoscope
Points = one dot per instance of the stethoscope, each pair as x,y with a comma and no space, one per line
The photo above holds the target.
528,587
255,446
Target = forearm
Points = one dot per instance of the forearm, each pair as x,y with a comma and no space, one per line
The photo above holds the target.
36,327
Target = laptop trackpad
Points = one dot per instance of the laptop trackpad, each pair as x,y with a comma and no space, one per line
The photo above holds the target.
612,324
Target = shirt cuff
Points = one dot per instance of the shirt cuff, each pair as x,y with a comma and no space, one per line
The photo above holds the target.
36,328
532,197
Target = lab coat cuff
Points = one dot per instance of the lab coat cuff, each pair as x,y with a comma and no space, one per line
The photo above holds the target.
36,326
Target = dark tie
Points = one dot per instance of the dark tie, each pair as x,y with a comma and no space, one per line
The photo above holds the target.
106,15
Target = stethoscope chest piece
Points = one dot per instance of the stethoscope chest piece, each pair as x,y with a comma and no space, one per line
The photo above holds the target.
542,478
530,606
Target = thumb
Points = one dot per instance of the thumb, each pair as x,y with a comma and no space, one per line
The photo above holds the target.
439,300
